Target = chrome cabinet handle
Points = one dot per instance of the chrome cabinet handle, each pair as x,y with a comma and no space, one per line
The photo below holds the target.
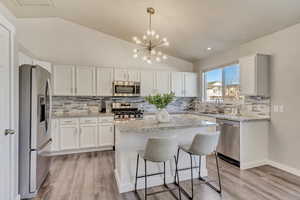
9,132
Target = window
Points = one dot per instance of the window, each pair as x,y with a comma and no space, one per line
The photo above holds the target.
222,84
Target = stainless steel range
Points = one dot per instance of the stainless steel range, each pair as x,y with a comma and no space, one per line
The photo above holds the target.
126,111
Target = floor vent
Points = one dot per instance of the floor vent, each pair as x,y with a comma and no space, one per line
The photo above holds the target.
23,3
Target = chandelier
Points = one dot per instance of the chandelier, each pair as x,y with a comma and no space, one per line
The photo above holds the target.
150,44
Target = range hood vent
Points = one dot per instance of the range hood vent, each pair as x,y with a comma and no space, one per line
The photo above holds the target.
23,3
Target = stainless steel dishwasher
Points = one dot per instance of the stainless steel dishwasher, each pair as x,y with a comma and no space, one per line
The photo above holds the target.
229,142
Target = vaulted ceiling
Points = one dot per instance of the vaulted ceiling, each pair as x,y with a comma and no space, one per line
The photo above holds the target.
190,25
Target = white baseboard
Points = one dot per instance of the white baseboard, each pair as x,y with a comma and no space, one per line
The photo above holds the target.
73,151
154,181
284,167
253,164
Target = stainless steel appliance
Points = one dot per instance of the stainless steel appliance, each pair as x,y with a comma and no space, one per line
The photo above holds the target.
229,142
126,111
34,126
126,88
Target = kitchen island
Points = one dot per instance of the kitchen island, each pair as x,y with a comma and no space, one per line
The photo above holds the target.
132,136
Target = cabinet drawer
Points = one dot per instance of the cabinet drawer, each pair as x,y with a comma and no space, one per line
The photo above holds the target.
89,120
106,119
68,121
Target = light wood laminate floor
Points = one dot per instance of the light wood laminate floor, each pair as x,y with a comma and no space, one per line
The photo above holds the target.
89,176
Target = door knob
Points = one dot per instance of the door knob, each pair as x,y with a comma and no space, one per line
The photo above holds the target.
9,132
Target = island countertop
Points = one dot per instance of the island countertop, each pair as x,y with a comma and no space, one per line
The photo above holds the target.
176,122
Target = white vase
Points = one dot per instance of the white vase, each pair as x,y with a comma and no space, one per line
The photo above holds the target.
162,116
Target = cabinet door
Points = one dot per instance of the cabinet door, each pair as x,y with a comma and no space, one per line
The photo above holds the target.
106,134
87,136
177,83
133,75
104,81
68,137
163,82
147,83
190,85
121,75
63,80
85,81
248,75
55,146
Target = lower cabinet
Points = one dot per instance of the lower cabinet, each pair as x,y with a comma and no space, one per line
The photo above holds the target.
87,135
106,134
68,137
82,134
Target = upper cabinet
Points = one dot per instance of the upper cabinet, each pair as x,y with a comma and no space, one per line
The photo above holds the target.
163,82
44,64
85,81
126,75
24,59
64,80
177,83
105,77
190,84
148,82
254,75
184,84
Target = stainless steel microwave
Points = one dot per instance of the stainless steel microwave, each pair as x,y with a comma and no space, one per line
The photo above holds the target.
126,88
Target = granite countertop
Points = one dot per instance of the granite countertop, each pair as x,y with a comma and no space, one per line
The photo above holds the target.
241,118
185,121
78,115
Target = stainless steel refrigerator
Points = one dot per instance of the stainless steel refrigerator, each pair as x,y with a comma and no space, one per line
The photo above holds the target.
34,128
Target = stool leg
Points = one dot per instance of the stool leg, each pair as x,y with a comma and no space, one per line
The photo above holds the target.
177,174
199,167
177,164
192,182
165,173
136,170
218,170
145,180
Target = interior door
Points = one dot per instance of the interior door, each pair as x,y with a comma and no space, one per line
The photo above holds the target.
5,116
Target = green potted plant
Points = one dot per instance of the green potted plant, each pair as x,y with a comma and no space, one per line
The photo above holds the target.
161,101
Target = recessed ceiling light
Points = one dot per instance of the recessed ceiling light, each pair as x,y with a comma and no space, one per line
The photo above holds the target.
209,48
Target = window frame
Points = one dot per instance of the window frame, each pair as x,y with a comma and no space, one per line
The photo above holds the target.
204,82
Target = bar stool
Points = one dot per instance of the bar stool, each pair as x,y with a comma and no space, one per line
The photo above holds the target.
203,144
158,150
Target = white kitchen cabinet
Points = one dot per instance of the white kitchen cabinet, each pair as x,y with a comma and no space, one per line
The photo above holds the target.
106,134
25,59
134,75
177,83
127,75
87,135
254,75
69,137
163,82
44,64
190,84
85,81
148,83
121,75
55,145
64,80
105,77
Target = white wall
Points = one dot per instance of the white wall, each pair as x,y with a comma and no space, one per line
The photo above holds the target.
284,46
63,42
